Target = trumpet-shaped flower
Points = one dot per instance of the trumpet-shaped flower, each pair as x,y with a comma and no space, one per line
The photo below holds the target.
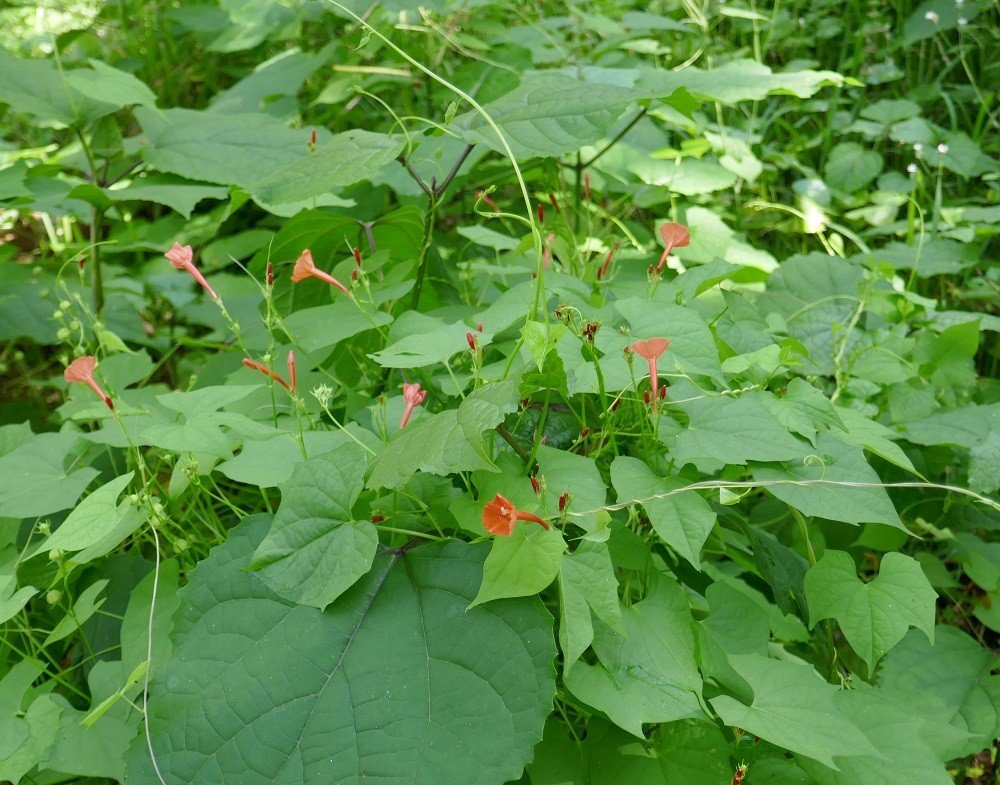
81,370
182,258
413,396
500,515
305,267
651,350
674,236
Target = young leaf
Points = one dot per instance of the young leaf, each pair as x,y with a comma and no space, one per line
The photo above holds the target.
315,550
649,674
587,584
873,616
521,564
92,519
683,521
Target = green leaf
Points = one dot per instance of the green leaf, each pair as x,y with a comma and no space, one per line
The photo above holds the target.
682,520
36,88
269,462
229,149
548,115
839,463
398,678
692,347
315,550
135,623
950,686
92,519
650,673
342,160
851,167
903,753
521,564
734,431
446,442
793,708
176,193
102,82
25,736
873,616
738,80
587,584
679,753
33,481
85,606
319,328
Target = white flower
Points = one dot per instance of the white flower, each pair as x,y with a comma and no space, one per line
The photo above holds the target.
942,148
959,3
917,147
932,17
962,21
912,168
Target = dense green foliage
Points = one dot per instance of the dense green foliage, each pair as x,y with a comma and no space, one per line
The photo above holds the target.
571,394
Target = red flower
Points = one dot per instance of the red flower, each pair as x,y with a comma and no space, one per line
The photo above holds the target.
182,258
82,370
500,515
253,365
651,350
413,396
305,267
674,236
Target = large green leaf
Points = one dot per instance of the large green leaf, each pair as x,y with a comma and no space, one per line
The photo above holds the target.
734,430
866,502
548,115
33,480
950,685
793,708
230,149
904,755
738,80
682,520
649,674
395,682
315,550
873,616
342,160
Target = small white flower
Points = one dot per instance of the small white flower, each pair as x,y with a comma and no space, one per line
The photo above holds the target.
917,147
912,168
942,148
959,3
932,17
962,21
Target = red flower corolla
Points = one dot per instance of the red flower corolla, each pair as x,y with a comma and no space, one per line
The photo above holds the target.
182,258
500,515
305,267
253,365
82,370
413,396
651,350
674,236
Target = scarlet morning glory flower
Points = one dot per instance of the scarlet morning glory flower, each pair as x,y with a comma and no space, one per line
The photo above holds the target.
500,515
305,267
82,370
413,396
182,258
674,236
651,350
253,365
